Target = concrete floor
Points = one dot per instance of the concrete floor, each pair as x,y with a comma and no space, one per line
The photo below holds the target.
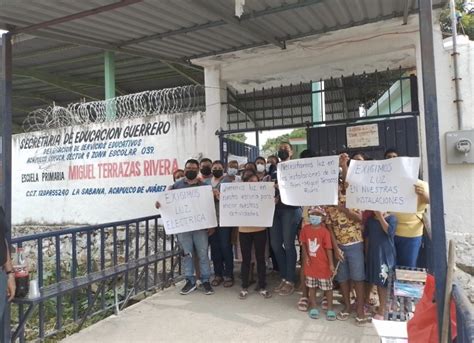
222,317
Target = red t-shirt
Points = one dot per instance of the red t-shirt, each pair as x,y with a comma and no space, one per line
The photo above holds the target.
316,240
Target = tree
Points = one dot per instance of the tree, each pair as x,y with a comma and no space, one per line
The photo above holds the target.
298,133
240,137
271,145
465,15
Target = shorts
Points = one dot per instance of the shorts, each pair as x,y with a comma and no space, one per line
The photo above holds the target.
322,284
353,267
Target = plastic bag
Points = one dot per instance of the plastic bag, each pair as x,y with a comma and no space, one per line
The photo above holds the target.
423,327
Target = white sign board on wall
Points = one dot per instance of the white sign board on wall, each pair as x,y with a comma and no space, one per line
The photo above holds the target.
362,136
99,173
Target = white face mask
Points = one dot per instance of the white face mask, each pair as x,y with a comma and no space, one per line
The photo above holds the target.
232,171
260,168
267,167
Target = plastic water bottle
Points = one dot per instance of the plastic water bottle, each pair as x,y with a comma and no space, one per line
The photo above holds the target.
22,277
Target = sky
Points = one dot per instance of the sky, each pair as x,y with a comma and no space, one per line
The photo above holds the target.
264,135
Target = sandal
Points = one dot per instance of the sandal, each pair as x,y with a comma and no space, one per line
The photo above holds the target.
324,304
343,316
303,304
362,321
266,294
243,294
217,281
228,282
331,315
313,313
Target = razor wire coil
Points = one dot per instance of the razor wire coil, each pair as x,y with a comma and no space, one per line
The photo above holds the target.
182,99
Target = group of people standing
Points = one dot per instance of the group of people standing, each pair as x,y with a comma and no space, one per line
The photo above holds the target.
356,249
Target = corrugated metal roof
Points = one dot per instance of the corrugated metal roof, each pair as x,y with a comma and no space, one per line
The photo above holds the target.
148,35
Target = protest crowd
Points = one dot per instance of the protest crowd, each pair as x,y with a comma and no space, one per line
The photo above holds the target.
342,249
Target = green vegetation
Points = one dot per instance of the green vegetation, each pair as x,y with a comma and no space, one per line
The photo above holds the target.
271,145
465,15
240,137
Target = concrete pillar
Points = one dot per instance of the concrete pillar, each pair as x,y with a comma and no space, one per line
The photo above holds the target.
216,111
458,180
109,83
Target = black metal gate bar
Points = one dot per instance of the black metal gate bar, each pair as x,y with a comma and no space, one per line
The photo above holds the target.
430,101
6,151
400,133
291,106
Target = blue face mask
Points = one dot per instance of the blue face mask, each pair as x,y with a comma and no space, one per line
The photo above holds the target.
315,220
232,171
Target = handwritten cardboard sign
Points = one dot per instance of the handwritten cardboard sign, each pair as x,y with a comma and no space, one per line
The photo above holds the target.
362,136
386,185
187,209
247,204
309,181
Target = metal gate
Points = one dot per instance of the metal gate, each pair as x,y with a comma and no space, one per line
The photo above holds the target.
327,108
344,99
231,149
400,134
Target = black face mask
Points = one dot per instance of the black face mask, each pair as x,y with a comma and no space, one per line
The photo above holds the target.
206,171
283,154
191,174
272,169
218,173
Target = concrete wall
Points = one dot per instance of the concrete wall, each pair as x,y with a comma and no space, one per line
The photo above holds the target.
458,180
387,44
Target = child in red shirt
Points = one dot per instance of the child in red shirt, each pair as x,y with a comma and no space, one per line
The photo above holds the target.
319,264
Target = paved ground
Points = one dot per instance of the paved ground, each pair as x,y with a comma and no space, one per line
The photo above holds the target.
222,317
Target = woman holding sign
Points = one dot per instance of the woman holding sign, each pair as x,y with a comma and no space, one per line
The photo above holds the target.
409,232
250,237
283,234
345,226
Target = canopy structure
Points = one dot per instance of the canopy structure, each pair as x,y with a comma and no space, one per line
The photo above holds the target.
54,52
58,46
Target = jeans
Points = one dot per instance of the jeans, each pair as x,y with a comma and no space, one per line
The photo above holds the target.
3,293
259,241
283,235
197,240
221,252
272,253
407,250
353,267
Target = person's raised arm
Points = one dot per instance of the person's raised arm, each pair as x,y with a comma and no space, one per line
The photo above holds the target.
381,219
423,194
337,252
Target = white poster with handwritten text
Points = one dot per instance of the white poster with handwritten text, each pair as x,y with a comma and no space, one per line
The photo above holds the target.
247,204
386,185
187,209
309,181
